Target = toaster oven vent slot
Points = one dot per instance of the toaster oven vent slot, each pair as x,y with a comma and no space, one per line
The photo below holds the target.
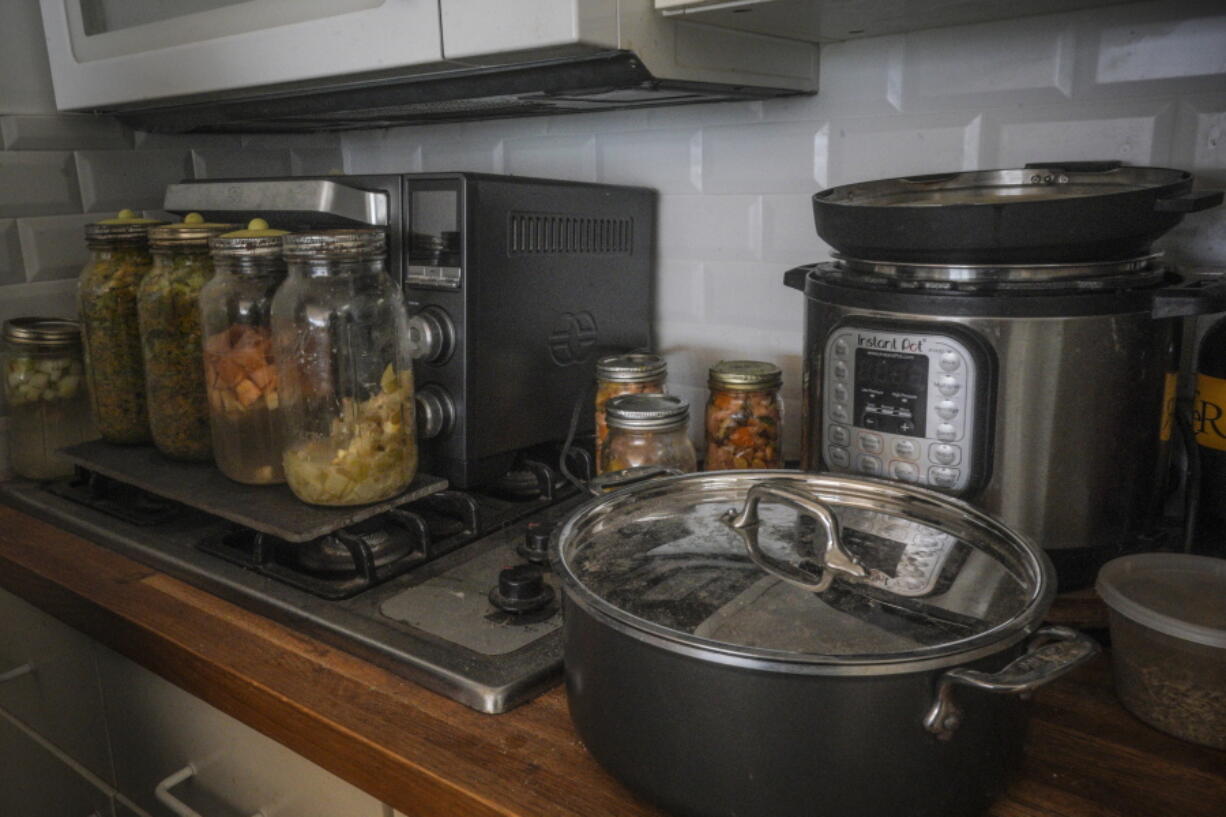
539,234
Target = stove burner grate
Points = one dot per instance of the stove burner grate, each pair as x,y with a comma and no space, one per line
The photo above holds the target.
115,498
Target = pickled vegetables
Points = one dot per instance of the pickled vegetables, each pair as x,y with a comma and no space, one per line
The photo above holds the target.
241,381
370,453
34,379
743,430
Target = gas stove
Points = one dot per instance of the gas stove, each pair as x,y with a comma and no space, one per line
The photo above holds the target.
450,590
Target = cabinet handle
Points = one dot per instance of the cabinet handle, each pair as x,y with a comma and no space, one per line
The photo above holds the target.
162,793
16,672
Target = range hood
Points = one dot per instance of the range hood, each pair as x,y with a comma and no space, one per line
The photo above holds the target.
299,65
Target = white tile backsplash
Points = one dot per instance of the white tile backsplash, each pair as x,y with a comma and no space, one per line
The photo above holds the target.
764,157
37,183
11,269
52,247
237,164
63,132
136,179
1133,131
559,157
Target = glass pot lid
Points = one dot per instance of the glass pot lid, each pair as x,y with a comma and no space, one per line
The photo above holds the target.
741,563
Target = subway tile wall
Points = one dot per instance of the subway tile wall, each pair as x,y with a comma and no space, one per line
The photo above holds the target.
1144,83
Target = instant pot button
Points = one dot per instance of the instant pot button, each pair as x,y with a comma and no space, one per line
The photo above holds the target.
839,412
943,477
840,370
905,471
840,392
943,453
868,465
906,449
948,385
839,435
949,361
839,457
947,409
946,432
840,347
871,443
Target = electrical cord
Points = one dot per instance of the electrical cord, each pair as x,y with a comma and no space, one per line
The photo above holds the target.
1191,485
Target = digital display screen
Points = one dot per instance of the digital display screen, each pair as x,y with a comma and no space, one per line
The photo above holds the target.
891,392
434,231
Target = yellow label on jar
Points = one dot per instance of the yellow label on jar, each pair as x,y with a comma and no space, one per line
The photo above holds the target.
1209,412
1169,390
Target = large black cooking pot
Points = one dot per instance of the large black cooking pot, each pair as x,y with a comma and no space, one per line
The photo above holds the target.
777,644
1055,212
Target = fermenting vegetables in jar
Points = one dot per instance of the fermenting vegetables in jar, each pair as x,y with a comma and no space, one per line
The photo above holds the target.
240,372
171,337
634,373
648,429
44,386
344,366
106,301
744,416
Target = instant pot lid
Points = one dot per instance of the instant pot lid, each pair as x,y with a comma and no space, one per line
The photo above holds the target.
939,578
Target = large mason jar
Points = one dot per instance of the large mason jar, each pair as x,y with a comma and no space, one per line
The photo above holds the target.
44,387
340,333
169,309
240,372
106,300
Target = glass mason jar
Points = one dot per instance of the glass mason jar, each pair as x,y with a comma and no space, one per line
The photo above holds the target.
648,429
239,373
106,301
744,416
635,373
44,386
169,309
345,368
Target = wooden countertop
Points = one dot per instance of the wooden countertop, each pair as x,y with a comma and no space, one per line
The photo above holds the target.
431,757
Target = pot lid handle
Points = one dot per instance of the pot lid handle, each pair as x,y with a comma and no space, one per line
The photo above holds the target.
833,561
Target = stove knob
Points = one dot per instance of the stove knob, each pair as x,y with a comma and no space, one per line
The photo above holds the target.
435,412
535,547
432,334
521,589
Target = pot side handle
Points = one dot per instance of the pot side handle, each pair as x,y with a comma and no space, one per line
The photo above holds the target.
835,560
1189,298
1053,652
795,278
1191,202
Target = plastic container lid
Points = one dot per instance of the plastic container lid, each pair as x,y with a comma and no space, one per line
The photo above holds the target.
1178,594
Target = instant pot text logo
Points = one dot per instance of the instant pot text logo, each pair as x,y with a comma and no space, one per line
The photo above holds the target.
1209,412
573,337
893,344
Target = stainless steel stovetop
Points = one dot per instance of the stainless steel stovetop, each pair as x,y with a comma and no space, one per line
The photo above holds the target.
435,624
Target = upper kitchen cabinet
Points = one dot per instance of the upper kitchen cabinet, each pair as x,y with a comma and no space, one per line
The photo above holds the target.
231,65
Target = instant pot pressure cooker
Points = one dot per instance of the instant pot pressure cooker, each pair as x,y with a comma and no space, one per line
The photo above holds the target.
1040,390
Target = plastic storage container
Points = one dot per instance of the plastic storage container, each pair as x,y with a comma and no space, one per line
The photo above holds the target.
119,259
169,309
344,360
1168,638
648,429
634,373
240,373
44,386
744,417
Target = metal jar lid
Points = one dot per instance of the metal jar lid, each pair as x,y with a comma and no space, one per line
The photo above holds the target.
358,244
647,412
192,233
125,228
744,375
256,241
49,332
636,367
798,572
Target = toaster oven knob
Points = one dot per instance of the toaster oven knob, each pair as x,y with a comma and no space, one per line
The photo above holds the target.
432,335
435,412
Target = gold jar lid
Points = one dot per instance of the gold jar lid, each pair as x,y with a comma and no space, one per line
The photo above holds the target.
193,232
636,367
744,375
256,240
49,332
125,228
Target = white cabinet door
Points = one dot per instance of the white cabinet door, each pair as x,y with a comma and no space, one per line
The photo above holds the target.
479,30
58,696
34,783
157,729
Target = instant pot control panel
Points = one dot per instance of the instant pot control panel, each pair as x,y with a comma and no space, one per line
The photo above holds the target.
906,405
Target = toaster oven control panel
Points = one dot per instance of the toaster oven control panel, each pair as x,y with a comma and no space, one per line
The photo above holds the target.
901,405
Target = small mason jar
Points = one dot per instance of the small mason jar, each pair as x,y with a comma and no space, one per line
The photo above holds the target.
635,373
345,369
744,416
648,429
240,373
44,386
119,259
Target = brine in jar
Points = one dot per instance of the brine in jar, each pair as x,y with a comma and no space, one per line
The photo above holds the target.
648,429
344,360
744,416
240,372
634,373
